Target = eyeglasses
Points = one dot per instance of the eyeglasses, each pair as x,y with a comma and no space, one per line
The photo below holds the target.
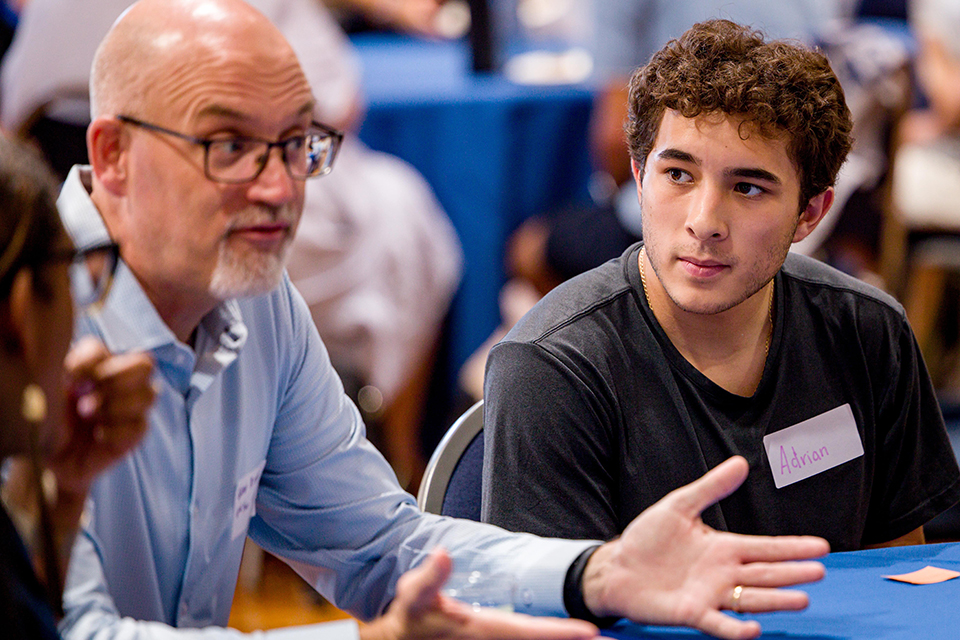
91,268
91,272
239,159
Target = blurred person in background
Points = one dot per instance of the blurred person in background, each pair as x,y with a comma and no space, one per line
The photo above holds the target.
925,186
66,417
418,17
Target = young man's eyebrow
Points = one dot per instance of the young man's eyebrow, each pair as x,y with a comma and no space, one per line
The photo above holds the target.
756,174
678,155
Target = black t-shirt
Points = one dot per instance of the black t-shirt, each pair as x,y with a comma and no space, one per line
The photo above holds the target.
592,415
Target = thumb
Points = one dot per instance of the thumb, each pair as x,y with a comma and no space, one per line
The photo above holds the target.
84,356
715,485
425,581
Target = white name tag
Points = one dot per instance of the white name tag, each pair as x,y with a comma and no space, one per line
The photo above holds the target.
813,446
245,501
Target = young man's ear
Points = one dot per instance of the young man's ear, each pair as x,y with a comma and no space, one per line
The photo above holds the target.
107,146
813,214
637,171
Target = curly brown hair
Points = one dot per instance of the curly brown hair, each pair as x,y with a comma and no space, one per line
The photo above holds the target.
779,87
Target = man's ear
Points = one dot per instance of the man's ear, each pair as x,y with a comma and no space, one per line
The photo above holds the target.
637,172
107,148
813,214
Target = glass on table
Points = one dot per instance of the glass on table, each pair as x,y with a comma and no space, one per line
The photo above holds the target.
482,590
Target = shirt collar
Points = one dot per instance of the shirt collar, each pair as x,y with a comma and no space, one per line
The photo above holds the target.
77,211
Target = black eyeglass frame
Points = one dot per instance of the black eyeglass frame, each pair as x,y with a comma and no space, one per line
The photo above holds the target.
76,257
334,135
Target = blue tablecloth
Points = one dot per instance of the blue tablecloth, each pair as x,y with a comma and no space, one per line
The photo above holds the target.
493,151
855,602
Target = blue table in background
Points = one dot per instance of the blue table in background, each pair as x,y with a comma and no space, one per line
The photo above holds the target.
855,603
494,152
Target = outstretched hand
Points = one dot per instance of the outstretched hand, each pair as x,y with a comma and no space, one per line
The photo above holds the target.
421,612
670,568
107,412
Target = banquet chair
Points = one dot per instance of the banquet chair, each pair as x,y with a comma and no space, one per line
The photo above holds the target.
451,485
920,251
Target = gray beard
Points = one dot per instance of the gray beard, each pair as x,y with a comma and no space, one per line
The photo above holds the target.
242,276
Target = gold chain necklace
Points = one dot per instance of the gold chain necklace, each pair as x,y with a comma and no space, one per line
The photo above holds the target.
643,279
646,295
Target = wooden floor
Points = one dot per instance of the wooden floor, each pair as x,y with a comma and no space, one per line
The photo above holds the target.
279,598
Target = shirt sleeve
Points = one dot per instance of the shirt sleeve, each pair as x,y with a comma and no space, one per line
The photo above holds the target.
92,615
548,444
330,505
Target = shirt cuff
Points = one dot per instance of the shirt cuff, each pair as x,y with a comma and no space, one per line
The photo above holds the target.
540,581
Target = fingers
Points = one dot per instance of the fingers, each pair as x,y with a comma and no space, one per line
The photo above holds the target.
760,600
84,356
785,574
125,371
92,366
114,387
779,548
110,397
419,611
715,485
420,587
724,626
124,380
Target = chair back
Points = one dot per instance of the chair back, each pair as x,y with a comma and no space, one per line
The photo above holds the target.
452,483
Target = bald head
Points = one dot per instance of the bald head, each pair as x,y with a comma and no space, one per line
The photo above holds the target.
155,45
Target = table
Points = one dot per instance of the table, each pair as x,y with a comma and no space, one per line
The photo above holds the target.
494,152
853,602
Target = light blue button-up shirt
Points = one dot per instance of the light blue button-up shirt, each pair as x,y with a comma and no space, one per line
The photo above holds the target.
256,409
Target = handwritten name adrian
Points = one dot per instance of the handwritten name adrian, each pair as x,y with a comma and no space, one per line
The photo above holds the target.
798,461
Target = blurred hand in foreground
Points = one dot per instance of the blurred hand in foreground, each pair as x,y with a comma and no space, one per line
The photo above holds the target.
106,414
421,612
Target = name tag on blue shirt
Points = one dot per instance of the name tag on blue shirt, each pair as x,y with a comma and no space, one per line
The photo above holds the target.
245,501
813,446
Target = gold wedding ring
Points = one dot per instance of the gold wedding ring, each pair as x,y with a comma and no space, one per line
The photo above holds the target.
737,592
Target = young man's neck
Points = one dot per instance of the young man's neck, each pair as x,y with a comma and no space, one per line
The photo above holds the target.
730,348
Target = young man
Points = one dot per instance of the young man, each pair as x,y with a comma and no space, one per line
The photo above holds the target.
200,144
709,340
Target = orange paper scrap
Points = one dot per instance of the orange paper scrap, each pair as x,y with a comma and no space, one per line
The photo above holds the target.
927,575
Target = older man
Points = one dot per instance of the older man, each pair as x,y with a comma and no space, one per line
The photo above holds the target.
200,144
